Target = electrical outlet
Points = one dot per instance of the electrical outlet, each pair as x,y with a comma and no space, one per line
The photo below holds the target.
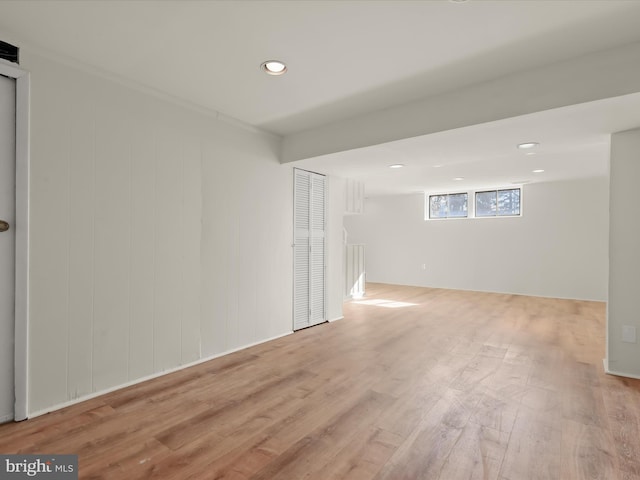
628,334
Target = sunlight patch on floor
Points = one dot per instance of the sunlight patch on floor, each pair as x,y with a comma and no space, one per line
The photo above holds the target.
379,302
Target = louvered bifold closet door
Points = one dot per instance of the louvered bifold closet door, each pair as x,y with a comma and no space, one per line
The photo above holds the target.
317,250
301,287
309,249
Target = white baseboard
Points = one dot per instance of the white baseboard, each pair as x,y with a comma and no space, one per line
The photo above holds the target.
617,374
336,319
148,377
6,418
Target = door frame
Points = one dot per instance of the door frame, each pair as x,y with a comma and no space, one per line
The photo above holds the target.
21,407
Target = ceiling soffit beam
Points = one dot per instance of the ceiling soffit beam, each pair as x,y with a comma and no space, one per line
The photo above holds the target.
596,76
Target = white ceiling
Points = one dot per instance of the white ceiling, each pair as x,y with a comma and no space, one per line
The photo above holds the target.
347,58
573,143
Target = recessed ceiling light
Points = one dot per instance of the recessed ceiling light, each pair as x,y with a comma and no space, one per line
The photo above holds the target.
396,165
538,171
273,67
437,166
527,145
457,179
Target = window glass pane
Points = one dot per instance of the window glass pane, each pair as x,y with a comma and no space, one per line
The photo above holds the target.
491,203
458,205
438,206
486,204
509,202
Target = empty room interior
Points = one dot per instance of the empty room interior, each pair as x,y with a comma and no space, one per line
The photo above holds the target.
320,239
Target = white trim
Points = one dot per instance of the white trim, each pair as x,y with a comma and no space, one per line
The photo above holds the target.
327,195
605,360
11,69
499,292
617,374
151,377
341,317
21,406
6,418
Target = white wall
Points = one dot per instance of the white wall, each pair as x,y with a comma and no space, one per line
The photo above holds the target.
159,235
558,248
624,255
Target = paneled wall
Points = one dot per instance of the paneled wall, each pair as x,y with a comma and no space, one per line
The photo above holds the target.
355,273
159,235
353,196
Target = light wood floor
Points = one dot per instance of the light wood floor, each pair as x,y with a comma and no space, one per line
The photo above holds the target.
414,383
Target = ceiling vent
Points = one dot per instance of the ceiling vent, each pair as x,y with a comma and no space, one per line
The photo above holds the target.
8,52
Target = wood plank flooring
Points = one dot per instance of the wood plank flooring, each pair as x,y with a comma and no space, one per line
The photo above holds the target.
414,383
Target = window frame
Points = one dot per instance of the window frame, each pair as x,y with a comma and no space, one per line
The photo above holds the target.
497,191
428,206
471,207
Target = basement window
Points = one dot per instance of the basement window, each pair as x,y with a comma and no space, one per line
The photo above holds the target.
498,203
450,205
